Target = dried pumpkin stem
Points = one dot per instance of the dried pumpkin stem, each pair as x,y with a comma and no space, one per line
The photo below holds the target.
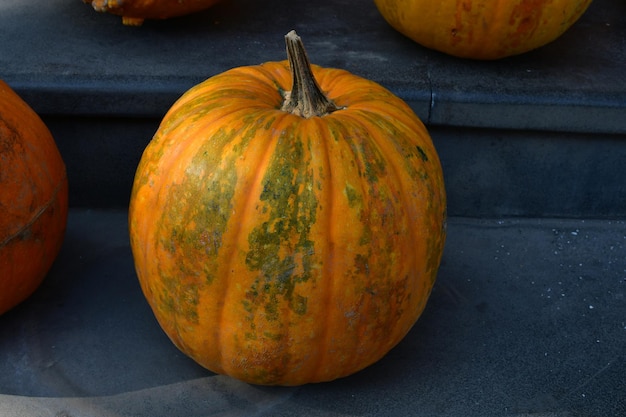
306,98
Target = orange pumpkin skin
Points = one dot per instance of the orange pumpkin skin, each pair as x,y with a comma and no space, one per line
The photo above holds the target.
134,12
284,250
482,29
33,199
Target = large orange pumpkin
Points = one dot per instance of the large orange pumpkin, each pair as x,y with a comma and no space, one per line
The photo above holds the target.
482,29
287,237
33,199
134,12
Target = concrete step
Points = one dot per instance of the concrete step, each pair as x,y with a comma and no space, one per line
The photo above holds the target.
540,134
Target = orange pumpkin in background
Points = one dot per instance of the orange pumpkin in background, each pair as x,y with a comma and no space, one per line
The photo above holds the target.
482,29
33,199
134,12
285,235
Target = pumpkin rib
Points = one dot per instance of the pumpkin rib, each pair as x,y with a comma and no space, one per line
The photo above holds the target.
248,211
202,119
311,133
384,103
294,349
391,150
175,153
329,233
276,75
389,154
330,267
194,103
368,193
345,134
424,146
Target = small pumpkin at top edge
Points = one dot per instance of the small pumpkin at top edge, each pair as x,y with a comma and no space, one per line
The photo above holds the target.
134,12
482,29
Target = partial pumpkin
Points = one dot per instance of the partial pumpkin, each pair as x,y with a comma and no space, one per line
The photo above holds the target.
33,200
134,12
283,235
482,29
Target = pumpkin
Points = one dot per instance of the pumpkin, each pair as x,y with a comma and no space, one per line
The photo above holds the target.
134,12
33,199
286,232
482,29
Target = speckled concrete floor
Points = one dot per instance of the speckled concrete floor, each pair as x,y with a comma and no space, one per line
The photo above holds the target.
528,317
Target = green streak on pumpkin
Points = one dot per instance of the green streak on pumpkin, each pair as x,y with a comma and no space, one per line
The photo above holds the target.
280,248
354,200
199,211
368,157
273,336
299,304
204,201
421,153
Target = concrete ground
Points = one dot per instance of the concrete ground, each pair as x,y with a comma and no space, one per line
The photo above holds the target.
527,318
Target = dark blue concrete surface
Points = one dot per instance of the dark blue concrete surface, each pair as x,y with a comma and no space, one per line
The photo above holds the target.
527,318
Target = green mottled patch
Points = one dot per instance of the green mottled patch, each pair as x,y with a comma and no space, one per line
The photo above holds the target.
361,264
366,238
204,200
273,336
354,199
196,216
375,166
280,247
405,145
299,304
180,299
